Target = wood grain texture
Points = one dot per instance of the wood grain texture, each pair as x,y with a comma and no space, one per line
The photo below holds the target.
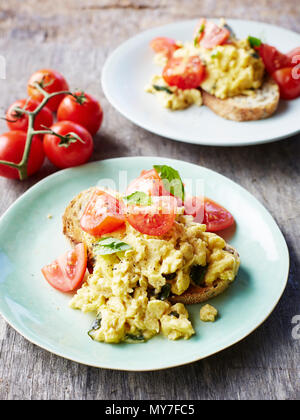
75,37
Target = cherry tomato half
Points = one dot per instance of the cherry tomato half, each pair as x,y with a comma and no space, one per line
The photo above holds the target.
67,154
210,35
51,81
288,80
12,145
103,214
85,111
148,182
272,58
154,220
164,45
184,73
17,121
67,272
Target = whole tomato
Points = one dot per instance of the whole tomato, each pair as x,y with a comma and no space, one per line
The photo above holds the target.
84,110
51,81
18,121
73,150
12,145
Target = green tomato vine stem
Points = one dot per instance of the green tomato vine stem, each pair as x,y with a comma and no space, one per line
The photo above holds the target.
23,165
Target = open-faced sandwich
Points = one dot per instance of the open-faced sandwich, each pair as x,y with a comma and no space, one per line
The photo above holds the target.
147,254
239,80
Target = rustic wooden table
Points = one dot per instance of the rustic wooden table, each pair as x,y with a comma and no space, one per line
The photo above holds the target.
75,37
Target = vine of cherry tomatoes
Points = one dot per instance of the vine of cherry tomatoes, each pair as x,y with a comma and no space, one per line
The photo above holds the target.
67,142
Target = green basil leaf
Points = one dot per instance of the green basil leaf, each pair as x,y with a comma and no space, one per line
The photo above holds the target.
254,42
197,274
109,245
140,198
162,88
134,338
165,292
95,326
171,180
174,313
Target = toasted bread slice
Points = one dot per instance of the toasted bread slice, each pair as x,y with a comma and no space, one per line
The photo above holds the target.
73,231
197,294
261,105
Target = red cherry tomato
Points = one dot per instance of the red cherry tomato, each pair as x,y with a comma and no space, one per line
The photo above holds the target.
12,145
184,73
154,220
17,121
164,45
85,111
272,58
103,214
294,53
148,182
288,80
67,272
66,155
210,35
216,217
51,81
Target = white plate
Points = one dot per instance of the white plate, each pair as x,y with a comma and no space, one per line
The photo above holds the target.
131,66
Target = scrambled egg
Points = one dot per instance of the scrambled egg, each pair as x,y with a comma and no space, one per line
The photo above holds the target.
208,313
128,291
231,70
171,96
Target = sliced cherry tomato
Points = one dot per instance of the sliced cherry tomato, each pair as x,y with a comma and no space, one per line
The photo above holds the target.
216,217
148,182
85,110
294,53
103,214
272,58
51,81
199,31
74,152
67,272
12,145
211,35
185,73
164,45
288,80
17,121
154,220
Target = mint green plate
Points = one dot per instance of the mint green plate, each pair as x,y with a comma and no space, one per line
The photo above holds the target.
29,240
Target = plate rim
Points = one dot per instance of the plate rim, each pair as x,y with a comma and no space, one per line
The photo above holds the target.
129,117
50,347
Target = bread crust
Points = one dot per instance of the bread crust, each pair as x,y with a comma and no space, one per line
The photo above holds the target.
73,231
243,108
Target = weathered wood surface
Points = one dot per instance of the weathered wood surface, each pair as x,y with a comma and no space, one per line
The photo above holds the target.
75,37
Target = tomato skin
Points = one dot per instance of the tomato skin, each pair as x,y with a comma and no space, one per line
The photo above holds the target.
53,81
294,53
288,85
12,145
43,118
89,114
272,58
212,35
164,45
103,214
154,220
76,153
185,74
66,274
